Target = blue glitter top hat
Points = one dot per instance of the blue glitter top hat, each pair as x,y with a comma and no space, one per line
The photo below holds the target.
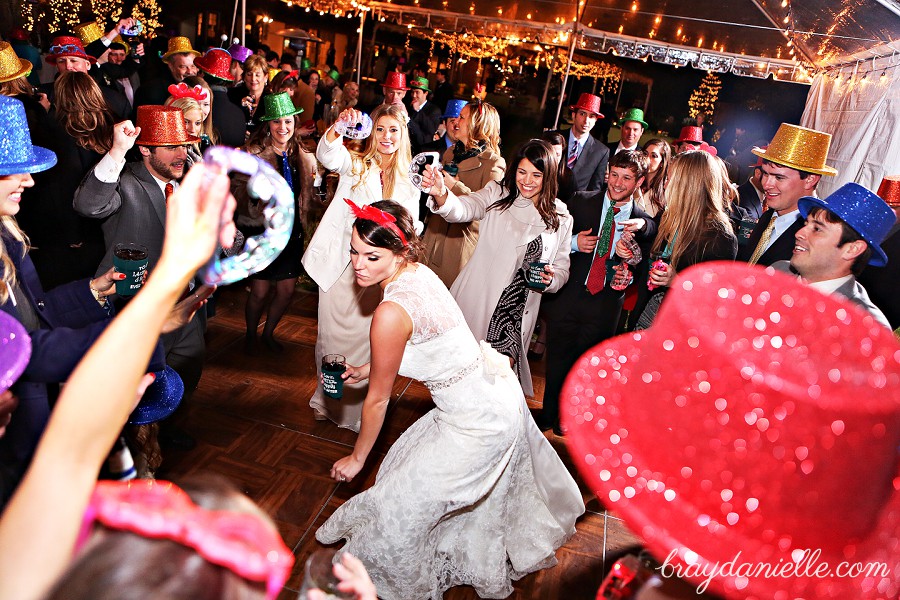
454,108
865,212
17,154
162,396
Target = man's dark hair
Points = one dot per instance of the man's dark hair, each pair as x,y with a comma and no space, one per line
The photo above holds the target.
271,55
636,160
803,174
118,46
848,235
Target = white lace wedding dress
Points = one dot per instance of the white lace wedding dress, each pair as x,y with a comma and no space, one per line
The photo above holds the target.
472,493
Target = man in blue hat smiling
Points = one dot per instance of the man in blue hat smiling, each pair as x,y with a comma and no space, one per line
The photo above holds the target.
842,235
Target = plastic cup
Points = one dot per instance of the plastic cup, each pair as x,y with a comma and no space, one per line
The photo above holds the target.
333,366
533,276
319,575
745,230
132,260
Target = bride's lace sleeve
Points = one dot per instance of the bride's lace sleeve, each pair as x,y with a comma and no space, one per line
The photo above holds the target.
430,307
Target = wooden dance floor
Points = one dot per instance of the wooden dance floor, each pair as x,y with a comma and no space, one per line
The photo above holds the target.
253,425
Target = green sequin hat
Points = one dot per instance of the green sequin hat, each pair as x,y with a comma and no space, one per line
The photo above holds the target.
419,83
278,106
633,114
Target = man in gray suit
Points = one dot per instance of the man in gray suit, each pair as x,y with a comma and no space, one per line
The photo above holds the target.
131,198
842,235
586,156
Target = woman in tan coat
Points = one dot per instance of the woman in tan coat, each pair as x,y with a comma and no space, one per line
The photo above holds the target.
476,155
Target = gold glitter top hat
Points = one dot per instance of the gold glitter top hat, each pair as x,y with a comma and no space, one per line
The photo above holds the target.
889,190
89,32
11,66
162,126
799,148
179,45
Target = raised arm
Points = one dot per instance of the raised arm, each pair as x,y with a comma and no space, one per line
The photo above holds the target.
391,329
331,151
41,522
98,195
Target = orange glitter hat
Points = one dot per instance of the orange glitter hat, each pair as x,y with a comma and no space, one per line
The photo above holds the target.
162,126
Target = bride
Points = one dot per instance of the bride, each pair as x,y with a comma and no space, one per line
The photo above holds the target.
472,493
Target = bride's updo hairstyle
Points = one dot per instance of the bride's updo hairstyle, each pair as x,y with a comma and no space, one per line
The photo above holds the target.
384,236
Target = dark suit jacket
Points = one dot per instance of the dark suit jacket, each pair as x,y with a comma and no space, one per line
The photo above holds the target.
443,93
589,171
228,119
155,91
749,200
70,321
423,124
883,283
781,249
586,208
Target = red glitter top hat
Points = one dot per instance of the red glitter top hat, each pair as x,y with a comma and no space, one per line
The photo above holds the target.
889,190
66,45
756,415
162,126
216,62
691,133
588,102
395,80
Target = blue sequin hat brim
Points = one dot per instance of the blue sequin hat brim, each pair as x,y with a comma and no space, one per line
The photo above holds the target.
160,400
861,209
41,160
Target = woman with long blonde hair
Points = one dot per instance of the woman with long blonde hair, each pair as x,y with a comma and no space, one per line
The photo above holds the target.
379,171
472,163
695,226
208,134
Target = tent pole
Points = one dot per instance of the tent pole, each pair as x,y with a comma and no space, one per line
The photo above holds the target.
359,48
547,85
243,22
233,22
562,90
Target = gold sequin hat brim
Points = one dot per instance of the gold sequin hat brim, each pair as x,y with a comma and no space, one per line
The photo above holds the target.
11,66
799,148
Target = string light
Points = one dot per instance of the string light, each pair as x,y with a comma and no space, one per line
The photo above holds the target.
703,99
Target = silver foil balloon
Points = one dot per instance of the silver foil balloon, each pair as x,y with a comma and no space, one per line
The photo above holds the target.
272,191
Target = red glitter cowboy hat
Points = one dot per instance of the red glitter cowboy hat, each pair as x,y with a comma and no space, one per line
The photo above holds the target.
395,80
691,134
162,126
67,45
216,62
588,102
755,415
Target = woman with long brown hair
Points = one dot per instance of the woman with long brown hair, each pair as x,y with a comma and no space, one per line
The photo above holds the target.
475,161
651,196
277,142
522,223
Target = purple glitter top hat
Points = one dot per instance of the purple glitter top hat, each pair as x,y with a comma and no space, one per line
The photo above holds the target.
866,213
17,154
239,53
15,350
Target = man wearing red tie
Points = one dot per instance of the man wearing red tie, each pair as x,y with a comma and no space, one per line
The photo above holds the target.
131,199
586,310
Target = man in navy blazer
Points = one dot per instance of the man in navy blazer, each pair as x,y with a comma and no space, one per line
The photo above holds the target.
579,318
751,193
792,166
585,156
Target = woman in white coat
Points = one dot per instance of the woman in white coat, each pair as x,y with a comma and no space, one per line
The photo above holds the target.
521,222
379,172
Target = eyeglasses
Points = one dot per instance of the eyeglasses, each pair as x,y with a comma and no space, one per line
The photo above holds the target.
240,542
66,49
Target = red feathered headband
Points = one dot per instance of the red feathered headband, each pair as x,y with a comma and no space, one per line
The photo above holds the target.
183,91
376,215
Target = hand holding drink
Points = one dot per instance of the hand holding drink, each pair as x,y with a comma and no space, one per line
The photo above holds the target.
659,274
333,367
131,260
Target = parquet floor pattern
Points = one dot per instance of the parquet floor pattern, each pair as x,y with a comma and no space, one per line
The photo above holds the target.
253,425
